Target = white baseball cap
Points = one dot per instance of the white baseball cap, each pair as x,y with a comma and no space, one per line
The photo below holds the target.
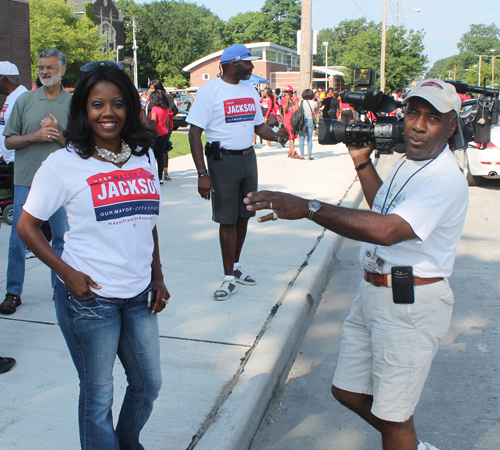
439,94
7,68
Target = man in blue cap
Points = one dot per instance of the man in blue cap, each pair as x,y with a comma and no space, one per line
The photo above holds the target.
229,113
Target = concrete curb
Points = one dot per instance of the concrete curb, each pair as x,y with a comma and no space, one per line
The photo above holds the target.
239,416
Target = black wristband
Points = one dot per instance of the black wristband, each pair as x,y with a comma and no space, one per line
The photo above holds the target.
201,175
363,166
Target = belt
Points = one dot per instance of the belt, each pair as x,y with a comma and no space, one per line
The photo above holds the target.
243,152
377,279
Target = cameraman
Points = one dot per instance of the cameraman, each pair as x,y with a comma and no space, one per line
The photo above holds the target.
416,220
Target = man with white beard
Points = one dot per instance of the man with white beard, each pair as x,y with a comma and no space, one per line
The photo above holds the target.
34,131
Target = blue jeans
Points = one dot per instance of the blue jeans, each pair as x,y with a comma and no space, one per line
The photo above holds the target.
97,329
307,130
17,248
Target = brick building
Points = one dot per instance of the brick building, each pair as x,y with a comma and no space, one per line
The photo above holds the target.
280,65
15,38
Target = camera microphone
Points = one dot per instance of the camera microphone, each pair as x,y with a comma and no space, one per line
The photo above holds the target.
462,88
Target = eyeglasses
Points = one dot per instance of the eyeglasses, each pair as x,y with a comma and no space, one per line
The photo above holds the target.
90,67
42,68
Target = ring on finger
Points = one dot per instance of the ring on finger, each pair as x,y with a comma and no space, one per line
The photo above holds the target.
275,215
270,205
48,136
164,299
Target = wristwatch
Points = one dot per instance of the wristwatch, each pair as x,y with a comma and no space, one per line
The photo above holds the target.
314,207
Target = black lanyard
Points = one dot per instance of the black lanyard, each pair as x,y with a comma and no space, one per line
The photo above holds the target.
390,184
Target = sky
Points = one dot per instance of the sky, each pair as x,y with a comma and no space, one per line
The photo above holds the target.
444,21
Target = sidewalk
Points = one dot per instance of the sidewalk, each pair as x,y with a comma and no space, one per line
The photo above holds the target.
220,360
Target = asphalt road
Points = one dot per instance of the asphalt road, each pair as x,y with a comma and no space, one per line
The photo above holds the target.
460,405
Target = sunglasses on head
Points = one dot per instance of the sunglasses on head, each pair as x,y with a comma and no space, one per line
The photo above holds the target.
90,67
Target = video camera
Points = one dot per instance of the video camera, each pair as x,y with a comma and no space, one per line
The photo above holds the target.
488,107
387,133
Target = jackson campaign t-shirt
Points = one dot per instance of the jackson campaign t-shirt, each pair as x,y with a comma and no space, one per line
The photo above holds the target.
111,214
227,113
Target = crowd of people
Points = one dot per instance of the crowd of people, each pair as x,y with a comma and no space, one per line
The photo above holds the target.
92,163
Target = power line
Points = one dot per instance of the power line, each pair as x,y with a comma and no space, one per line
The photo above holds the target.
355,4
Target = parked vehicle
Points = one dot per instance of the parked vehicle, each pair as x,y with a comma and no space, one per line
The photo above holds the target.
180,119
182,99
7,209
6,201
479,163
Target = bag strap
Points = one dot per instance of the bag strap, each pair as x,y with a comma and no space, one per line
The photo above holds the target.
312,114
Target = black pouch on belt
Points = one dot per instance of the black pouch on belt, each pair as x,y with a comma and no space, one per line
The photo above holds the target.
216,153
208,149
402,285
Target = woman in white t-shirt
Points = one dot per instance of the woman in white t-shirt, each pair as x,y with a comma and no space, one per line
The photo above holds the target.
105,180
310,108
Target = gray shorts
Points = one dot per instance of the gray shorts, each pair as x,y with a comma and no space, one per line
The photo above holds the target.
233,177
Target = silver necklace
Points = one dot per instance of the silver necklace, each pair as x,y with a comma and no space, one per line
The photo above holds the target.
115,158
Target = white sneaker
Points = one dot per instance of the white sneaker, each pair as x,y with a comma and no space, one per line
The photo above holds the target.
257,145
30,254
266,147
426,446
226,289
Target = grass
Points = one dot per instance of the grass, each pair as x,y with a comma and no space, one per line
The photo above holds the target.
180,143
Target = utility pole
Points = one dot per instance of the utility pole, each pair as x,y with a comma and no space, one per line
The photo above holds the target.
135,48
326,64
397,14
382,55
306,45
493,71
480,62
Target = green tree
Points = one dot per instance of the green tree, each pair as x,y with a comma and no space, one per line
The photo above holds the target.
284,19
405,59
480,39
54,25
454,67
338,39
244,28
276,22
170,35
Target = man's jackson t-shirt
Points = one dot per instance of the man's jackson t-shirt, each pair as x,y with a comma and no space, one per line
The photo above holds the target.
227,113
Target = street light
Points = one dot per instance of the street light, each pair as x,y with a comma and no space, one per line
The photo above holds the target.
398,13
118,48
326,65
478,75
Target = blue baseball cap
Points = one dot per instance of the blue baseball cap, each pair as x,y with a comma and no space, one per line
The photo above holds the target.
235,53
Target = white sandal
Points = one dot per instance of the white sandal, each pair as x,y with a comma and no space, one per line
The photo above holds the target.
226,289
242,277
